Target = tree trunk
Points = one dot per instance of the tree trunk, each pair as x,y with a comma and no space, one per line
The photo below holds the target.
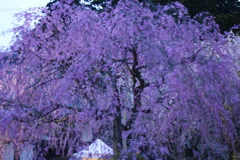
230,152
117,134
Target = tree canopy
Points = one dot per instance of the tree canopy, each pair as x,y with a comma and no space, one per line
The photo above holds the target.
226,12
158,81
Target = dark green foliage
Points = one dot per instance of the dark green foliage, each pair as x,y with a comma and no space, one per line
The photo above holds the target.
227,12
226,21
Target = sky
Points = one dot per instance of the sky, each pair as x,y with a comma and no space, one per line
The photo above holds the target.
7,10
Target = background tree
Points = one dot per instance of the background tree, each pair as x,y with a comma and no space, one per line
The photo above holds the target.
226,12
138,78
